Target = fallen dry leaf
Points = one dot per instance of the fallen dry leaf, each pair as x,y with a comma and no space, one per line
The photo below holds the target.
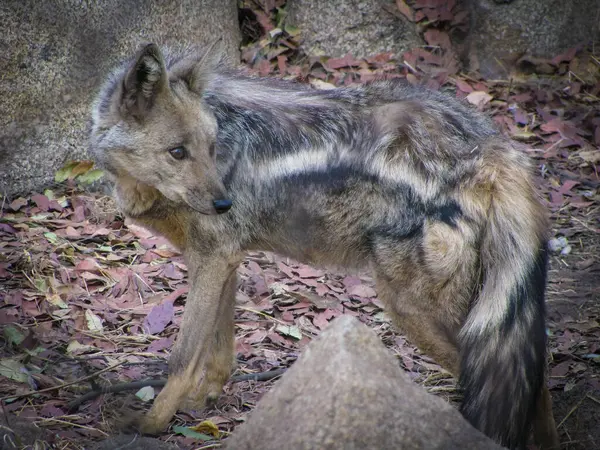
479,98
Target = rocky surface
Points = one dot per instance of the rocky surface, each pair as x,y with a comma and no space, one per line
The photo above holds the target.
56,53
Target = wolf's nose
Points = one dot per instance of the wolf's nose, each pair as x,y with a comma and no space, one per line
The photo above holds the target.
222,206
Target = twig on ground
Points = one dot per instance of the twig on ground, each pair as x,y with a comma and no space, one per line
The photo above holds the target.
261,376
71,424
120,387
593,399
70,383
582,180
115,388
573,409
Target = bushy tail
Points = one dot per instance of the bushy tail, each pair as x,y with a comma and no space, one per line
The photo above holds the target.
503,342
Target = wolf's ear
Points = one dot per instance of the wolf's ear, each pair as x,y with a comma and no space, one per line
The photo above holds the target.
145,81
204,70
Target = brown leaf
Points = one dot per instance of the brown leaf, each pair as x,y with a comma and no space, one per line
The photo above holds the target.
350,281
102,232
55,206
3,272
309,282
362,290
138,232
81,168
520,116
78,214
41,201
166,252
282,63
438,38
405,10
7,228
463,86
285,269
338,63
320,321
176,294
564,57
277,339
243,348
257,337
264,20
561,369
254,267
322,289
567,186
72,232
556,198
579,202
585,264
479,98
171,272
87,265
160,345
160,316
18,203
263,67
308,272
51,411
592,156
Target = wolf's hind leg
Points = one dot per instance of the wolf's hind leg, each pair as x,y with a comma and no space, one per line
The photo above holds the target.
544,426
429,330
425,283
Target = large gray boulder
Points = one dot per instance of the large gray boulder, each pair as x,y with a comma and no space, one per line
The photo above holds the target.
502,31
498,34
362,28
347,392
56,52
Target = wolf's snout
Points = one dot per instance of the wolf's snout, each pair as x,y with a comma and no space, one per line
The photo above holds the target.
222,206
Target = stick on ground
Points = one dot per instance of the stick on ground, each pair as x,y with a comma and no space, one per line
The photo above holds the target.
54,388
120,387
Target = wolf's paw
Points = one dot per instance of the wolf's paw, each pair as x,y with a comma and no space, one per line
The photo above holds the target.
149,424
206,396
126,422
212,398
193,404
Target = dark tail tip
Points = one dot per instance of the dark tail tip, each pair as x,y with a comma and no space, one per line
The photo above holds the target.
502,368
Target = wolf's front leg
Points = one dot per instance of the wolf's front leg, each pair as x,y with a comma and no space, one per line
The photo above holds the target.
221,357
209,278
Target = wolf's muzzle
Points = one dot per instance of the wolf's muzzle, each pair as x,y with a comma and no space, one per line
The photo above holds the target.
222,206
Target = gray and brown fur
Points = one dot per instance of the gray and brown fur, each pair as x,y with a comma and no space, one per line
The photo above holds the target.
406,181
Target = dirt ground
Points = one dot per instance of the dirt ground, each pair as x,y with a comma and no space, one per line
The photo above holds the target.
59,344
573,314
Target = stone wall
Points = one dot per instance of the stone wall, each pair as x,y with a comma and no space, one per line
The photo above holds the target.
54,55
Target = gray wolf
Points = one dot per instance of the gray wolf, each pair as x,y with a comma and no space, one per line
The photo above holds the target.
406,181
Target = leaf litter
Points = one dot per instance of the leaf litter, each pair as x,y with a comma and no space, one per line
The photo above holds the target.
83,290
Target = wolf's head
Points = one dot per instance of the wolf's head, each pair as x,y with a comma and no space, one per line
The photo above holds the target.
151,124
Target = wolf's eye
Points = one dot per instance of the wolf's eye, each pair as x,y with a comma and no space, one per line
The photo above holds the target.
178,153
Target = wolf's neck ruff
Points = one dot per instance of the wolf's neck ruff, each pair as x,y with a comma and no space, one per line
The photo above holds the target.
409,182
